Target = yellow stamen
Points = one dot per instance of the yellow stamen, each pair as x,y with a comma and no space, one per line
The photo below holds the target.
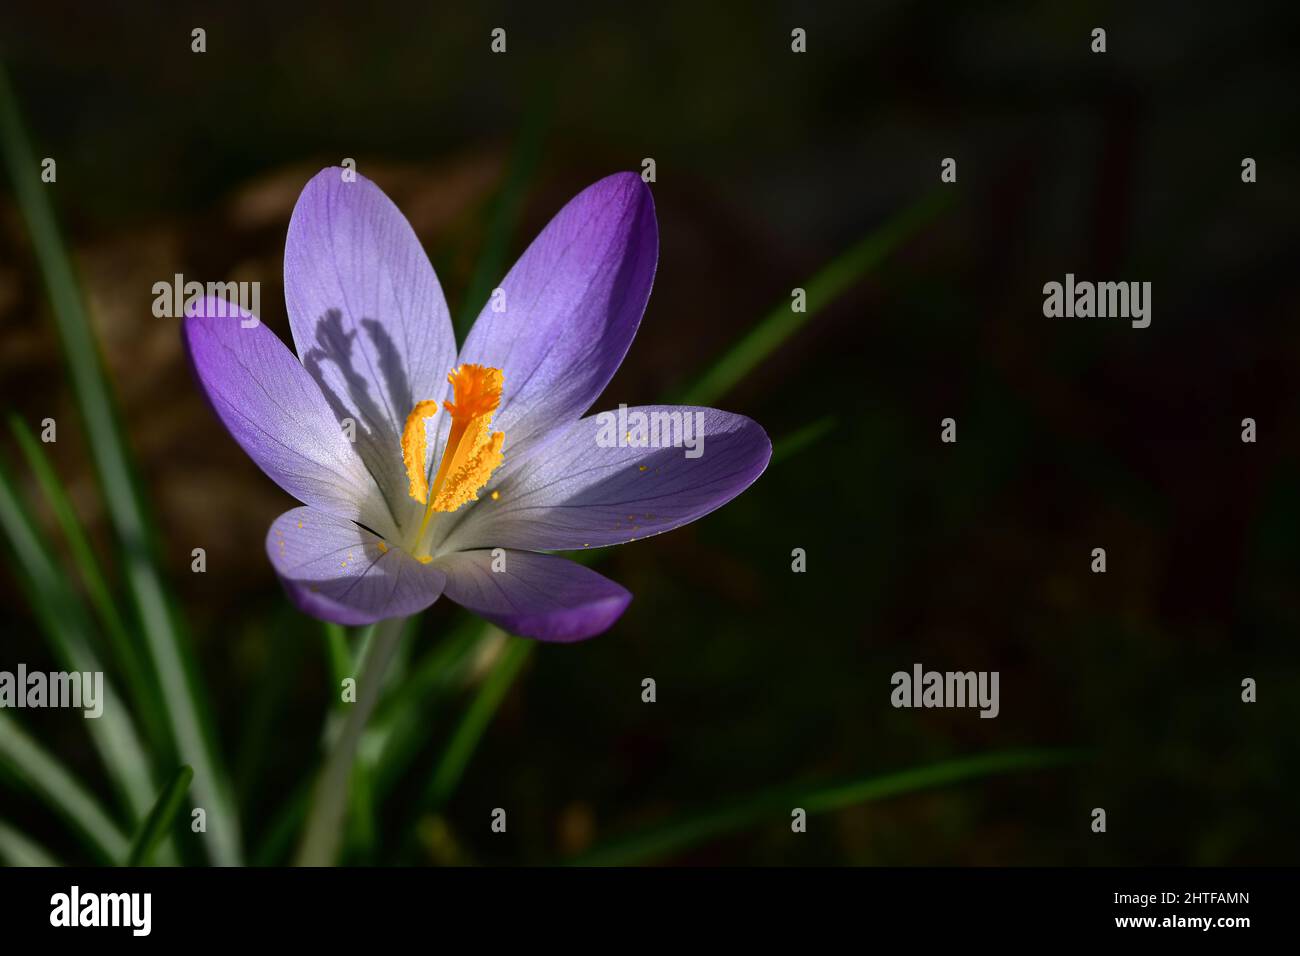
467,469
473,450
415,441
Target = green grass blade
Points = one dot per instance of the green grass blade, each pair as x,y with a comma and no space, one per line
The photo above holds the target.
275,845
401,724
67,625
17,850
331,793
437,672
48,778
284,640
775,806
822,289
805,437
156,825
144,694
167,647
363,640
396,731
361,810
451,766
340,658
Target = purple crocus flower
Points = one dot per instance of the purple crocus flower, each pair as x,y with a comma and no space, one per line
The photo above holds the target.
425,472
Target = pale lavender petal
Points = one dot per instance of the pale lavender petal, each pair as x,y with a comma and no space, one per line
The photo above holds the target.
276,412
534,595
368,316
572,302
578,493
337,571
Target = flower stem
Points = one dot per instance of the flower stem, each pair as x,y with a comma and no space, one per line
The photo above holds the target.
320,841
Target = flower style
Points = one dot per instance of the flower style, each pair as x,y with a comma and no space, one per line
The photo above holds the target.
424,472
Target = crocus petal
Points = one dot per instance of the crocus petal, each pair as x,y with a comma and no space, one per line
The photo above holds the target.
368,316
534,595
577,492
276,412
572,304
338,571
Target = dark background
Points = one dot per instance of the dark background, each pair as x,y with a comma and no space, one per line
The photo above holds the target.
1073,434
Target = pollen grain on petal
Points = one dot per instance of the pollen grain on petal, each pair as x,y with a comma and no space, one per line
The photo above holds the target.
415,441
